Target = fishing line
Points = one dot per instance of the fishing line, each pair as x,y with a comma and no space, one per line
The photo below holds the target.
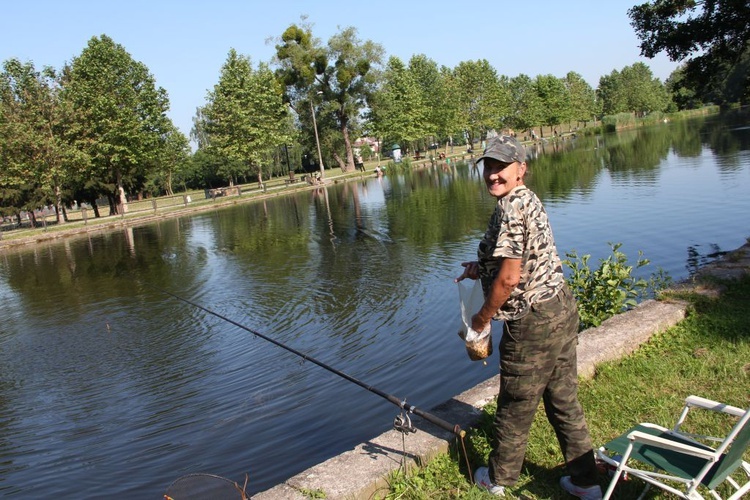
402,422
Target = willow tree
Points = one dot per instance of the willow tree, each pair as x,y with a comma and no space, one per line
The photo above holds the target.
39,163
120,118
245,117
337,79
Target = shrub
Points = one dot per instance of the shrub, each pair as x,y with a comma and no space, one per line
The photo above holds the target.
611,288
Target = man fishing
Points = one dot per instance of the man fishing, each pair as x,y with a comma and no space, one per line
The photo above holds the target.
523,285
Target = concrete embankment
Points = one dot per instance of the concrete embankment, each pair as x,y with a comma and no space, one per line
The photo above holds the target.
361,472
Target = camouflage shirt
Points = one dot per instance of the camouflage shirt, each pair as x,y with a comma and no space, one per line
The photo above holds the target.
519,229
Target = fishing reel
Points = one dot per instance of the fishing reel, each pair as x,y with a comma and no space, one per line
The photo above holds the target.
402,423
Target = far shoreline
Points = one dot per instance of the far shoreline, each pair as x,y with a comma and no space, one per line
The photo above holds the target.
274,187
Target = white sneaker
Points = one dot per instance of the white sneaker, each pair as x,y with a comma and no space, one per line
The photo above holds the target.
588,493
482,479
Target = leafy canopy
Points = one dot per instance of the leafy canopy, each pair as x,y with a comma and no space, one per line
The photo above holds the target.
121,115
339,79
245,117
712,36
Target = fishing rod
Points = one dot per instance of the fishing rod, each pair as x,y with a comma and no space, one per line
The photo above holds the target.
402,422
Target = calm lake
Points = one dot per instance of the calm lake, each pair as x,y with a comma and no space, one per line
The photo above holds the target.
111,388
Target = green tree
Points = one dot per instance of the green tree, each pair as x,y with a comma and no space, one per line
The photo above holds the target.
644,93
583,104
39,162
202,170
398,113
527,106
611,94
554,95
449,122
632,90
681,92
120,119
712,38
484,102
434,96
245,117
198,132
172,161
343,73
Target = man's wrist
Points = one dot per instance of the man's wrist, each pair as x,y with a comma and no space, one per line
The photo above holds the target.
484,316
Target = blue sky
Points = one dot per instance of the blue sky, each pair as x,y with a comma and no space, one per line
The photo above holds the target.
184,43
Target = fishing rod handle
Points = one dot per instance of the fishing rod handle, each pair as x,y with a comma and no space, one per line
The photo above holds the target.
455,429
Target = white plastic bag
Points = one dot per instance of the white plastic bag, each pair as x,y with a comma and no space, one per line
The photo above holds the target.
478,344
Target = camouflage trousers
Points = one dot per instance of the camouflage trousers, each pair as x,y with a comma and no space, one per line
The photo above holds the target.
538,361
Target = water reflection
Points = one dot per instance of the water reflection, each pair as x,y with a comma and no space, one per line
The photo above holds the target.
109,387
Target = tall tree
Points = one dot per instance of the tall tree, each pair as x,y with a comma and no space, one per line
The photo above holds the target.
245,116
712,37
681,92
121,117
612,94
344,74
632,90
398,113
526,105
583,106
434,95
39,163
448,119
173,159
553,93
644,93
484,103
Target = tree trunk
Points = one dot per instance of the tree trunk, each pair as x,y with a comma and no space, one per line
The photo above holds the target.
59,209
168,182
112,204
95,207
340,161
349,151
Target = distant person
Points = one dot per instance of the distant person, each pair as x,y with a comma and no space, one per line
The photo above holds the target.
523,283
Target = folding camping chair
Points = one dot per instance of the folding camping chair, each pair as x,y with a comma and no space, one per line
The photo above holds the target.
677,461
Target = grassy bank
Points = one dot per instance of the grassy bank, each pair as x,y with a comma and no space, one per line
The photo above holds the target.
708,354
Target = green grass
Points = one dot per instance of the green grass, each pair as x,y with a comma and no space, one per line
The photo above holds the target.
707,354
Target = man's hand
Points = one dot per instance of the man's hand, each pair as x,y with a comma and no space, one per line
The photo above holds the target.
471,271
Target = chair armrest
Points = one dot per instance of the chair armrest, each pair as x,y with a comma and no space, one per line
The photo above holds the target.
707,404
642,437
